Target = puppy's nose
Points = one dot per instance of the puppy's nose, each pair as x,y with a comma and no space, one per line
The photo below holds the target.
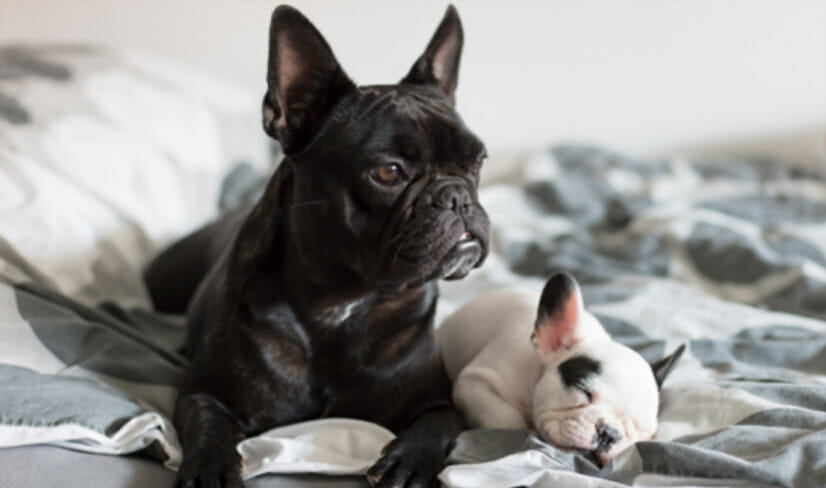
606,437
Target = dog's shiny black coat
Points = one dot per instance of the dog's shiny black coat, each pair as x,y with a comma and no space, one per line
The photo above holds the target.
319,301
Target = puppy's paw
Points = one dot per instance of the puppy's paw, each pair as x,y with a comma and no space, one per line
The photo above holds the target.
408,463
196,473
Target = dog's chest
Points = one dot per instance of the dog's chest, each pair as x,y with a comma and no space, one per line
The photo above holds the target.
335,315
350,368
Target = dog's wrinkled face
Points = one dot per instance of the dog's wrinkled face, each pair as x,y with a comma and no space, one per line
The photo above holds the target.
397,171
595,395
387,173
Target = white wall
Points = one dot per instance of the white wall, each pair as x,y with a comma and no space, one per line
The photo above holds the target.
640,76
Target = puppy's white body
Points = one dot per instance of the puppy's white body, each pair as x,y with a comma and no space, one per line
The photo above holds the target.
502,381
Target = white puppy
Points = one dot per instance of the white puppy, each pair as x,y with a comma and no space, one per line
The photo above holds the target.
555,370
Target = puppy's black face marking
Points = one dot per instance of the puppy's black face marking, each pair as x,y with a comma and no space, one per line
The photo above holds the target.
578,371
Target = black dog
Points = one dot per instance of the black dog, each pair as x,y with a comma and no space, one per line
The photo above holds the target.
319,301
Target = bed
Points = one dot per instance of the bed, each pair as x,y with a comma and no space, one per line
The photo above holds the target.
107,157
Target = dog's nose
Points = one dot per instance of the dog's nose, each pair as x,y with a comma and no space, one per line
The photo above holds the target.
452,201
452,197
606,437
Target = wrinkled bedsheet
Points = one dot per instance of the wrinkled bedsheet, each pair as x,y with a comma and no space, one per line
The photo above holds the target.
728,256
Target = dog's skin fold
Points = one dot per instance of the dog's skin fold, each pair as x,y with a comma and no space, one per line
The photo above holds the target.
319,300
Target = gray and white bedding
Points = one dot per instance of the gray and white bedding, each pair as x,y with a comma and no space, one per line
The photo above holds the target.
727,256
104,157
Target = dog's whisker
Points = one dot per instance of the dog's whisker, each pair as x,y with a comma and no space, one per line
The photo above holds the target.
396,256
398,250
308,203
395,240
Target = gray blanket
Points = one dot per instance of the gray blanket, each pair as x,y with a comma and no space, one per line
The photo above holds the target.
726,256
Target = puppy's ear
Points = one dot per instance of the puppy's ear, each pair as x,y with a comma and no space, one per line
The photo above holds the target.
663,366
557,319
439,64
304,80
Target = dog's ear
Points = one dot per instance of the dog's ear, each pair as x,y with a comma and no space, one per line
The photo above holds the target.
558,317
304,80
439,64
663,366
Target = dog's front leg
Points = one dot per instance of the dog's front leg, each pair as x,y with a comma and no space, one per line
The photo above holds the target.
208,436
417,455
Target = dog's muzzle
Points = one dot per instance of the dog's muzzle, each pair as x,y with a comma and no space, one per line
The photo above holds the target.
440,231
464,229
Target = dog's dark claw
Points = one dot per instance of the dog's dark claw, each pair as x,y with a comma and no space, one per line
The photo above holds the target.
210,483
377,473
406,465
210,478
421,480
395,477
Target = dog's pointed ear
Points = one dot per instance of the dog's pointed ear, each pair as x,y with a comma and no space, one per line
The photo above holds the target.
558,317
304,80
439,64
663,366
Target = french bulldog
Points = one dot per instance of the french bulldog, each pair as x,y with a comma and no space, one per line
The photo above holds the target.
319,300
555,370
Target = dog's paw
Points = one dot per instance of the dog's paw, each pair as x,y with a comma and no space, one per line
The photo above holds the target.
409,464
196,474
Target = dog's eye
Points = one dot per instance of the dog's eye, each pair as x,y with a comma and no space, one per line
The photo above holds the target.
477,165
388,174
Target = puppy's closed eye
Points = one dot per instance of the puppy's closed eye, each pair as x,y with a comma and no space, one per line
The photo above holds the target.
587,393
578,371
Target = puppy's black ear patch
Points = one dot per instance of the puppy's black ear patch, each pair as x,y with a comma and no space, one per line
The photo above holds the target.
578,370
556,294
663,366
304,80
557,318
439,64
